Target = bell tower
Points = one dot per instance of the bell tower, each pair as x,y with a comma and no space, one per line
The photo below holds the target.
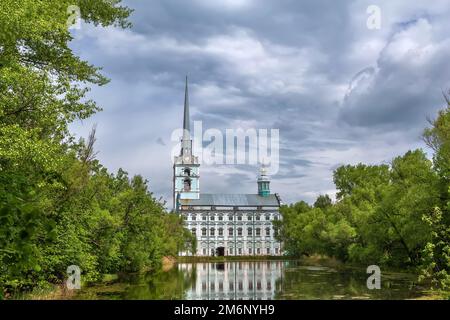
186,179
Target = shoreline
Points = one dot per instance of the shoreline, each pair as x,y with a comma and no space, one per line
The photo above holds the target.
196,259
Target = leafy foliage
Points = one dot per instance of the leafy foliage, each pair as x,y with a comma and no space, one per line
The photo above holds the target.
58,205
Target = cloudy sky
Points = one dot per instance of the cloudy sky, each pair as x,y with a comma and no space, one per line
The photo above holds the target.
339,92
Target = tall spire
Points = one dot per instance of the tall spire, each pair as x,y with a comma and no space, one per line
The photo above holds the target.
186,125
186,142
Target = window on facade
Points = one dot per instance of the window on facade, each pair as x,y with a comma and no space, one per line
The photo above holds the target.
194,231
268,250
194,217
249,217
231,286
239,231
250,285
267,231
187,184
204,250
220,232
276,250
231,251
258,251
212,218
185,217
204,217
249,250
230,217
275,217
204,234
220,217
240,250
239,217
249,231
258,232
230,231
187,171
267,217
257,217
212,231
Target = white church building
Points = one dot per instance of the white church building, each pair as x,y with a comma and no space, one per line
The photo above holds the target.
224,224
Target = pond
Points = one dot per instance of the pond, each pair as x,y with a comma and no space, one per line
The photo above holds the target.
254,280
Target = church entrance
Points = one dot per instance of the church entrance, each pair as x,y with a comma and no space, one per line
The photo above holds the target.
220,251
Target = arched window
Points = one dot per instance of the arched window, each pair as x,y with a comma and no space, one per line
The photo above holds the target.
203,231
267,231
249,217
187,172
230,217
249,231
212,231
239,231
258,232
220,232
230,231
220,217
267,217
211,217
239,217
204,217
187,184
257,217
194,217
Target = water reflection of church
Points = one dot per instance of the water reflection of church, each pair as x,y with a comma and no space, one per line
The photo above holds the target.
234,280
224,224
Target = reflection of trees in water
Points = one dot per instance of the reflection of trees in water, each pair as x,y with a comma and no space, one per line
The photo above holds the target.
168,285
325,283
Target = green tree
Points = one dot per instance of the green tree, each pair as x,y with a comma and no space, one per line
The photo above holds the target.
436,255
58,205
323,202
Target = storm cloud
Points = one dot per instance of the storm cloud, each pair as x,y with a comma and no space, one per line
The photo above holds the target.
337,91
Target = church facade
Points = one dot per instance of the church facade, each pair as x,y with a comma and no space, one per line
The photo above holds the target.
224,224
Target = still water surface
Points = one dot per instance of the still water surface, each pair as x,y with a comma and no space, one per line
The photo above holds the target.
254,280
